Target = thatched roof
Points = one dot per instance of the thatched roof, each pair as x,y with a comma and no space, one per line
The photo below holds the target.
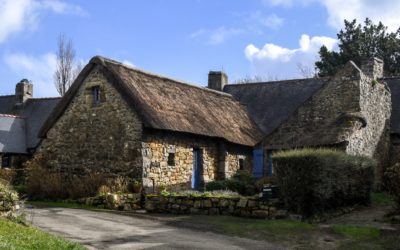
167,104
271,103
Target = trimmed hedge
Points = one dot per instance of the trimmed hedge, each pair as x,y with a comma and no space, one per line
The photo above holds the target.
315,180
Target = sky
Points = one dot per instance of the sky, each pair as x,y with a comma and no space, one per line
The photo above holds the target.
182,39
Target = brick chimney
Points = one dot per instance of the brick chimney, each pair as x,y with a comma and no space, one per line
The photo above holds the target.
372,67
23,91
217,80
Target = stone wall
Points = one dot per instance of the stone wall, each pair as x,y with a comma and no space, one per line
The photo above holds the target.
124,202
352,111
159,173
245,207
96,137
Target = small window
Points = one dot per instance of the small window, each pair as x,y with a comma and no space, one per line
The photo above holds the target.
5,161
241,164
96,95
171,159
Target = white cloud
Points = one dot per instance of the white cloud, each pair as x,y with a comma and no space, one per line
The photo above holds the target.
37,69
216,36
278,62
128,63
385,11
271,21
19,15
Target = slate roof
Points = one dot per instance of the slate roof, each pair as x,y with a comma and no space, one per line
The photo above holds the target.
271,103
12,134
32,115
7,104
168,104
394,86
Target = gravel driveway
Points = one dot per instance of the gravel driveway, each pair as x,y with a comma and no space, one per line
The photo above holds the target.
102,230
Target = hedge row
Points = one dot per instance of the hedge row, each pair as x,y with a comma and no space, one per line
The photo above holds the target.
315,180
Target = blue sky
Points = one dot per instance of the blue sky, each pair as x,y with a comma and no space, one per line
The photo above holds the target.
182,39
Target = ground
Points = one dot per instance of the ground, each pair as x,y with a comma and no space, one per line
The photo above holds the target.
363,228
101,230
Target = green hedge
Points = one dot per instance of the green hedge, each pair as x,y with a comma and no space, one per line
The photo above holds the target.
315,180
242,182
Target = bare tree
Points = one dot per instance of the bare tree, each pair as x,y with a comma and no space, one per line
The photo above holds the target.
256,78
307,71
66,70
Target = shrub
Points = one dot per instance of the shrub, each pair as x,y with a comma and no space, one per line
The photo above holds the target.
8,200
392,179
242,182
45,183
315,180
8,174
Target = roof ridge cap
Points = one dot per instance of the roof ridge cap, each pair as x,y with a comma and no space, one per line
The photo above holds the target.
104,59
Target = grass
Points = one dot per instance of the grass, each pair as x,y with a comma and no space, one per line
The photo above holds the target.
381,199
17,236
356,232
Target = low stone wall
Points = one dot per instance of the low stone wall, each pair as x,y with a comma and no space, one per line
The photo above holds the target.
245,207
114,201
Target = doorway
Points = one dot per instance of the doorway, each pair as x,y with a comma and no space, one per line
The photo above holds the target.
197,169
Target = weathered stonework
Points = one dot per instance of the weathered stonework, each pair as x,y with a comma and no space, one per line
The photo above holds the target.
89,137
240,206
157,146
351,112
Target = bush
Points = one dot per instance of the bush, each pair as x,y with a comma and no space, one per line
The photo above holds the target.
392,179
314,180
242,182
44,183
8,200
8,174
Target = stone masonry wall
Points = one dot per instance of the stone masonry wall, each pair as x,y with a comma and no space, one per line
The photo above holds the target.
157,173
373,140
89,137
242,206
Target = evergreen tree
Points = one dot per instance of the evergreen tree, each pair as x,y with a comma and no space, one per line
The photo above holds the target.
358,41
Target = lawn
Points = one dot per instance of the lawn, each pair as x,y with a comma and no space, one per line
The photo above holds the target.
17,236
295,234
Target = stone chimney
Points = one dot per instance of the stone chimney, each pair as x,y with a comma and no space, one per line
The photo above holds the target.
372,67
23,91
217,80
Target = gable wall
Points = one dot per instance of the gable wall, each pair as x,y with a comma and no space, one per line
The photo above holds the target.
96,138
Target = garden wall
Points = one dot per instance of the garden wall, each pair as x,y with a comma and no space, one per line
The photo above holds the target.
236,206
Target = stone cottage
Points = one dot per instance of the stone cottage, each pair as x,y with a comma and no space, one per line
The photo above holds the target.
126,122
122,121
349,111
21,117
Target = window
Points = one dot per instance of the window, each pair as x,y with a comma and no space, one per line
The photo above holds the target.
171,159
5,161
241,164
96,95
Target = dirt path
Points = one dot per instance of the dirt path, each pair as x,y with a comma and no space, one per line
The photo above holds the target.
100,230
373,216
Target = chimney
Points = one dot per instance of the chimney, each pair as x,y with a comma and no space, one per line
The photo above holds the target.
372,67
23,91
217,80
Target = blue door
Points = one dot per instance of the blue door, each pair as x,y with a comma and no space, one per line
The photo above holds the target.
196,169
258,163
